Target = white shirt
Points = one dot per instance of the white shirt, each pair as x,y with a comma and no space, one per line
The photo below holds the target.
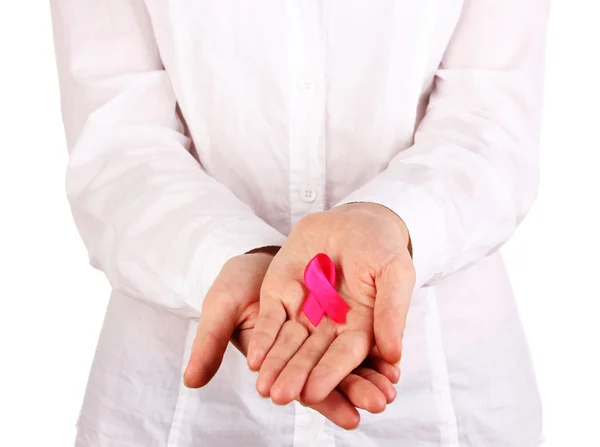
431,108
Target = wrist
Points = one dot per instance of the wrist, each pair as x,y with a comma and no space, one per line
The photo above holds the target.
387,213
269,250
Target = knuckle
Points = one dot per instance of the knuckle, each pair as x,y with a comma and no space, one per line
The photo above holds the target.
274,360
399,270
408,273
403,266
369,374
311,353
269,322
262,338
292,331
407,269
287,338
268,319
213,336
310,398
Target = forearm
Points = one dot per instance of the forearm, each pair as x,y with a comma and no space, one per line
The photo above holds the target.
151,218
472,173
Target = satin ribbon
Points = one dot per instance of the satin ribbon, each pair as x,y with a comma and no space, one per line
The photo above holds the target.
319,278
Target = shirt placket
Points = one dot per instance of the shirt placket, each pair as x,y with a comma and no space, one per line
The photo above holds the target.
306,92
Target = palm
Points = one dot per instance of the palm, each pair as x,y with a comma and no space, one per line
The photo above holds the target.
237,290
284,377
296,358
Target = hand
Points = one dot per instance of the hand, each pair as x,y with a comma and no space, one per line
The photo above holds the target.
369,245
229,313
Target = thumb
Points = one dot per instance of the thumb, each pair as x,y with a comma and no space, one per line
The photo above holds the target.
217,322
394,289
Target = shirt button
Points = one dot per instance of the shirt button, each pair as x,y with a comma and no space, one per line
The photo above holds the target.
306,86
308,195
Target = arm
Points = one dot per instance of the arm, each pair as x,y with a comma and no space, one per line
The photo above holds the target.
472,173
150,217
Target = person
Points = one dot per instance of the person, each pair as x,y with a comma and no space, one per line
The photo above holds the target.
216,147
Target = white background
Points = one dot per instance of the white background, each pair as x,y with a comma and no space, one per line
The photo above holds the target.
52,303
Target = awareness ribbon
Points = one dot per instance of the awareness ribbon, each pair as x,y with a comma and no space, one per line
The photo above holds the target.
319,278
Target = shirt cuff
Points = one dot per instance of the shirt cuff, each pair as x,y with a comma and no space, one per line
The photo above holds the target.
423,217
224,243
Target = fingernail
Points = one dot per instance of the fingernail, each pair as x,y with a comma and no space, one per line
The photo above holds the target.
354,427
393,396
253,360
250,353
250,362
260,388
396,374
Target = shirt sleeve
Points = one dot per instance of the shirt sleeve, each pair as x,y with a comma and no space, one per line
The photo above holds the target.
151,218
472,173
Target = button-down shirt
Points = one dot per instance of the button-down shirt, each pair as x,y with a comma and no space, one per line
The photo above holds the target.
201,129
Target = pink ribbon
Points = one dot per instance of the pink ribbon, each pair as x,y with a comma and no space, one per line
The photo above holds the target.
319,278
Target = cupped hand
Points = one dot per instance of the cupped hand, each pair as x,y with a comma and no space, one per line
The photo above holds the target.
368,243
229,313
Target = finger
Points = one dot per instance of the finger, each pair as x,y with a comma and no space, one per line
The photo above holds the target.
290,382
216,325
289,340
375,362
271,317
338,410
363,393
394,290
345,354
241,339
389,371
379,380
